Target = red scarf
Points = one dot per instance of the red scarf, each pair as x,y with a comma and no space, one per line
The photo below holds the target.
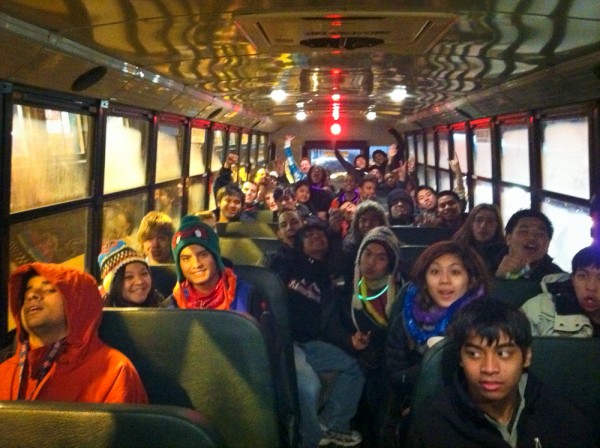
219,298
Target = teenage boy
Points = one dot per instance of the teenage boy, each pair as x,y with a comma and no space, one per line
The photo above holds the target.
493,401
230,201
569,304
154,237
203,281
528,234
59,356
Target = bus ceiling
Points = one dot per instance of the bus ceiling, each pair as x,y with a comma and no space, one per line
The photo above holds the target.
405,62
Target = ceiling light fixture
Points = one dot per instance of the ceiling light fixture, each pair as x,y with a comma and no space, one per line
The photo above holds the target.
371,115
300,115
398,94
278,95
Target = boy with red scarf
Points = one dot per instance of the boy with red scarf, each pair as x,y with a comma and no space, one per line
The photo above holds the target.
203,280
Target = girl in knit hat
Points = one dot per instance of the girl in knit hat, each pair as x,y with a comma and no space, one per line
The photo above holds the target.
445,277
126,279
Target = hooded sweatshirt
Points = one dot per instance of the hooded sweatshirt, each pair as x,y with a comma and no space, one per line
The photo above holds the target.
84,369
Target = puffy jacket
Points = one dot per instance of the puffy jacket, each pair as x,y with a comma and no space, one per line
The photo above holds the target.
86,370
555,311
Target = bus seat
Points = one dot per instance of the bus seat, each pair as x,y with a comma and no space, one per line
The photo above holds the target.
212,361
247,251
36,423
571,366
164,277
408,256
264,216
514,292
270,287
246,230
421,235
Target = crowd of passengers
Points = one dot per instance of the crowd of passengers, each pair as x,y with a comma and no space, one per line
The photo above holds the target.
351,311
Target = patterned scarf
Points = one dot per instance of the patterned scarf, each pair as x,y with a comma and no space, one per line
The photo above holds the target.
416,318
219,298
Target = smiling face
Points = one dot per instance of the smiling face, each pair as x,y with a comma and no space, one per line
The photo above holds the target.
289,222
317,175
43,312
199,267
529,238
493,371
586,282
448,208
446,280
304,165
136,283
230,206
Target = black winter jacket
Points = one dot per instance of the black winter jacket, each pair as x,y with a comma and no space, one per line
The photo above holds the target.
452,420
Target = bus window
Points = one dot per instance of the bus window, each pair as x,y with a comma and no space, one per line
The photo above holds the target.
410,142
445,181
514,154
460,149
126,153
482,153
216,161
56,146
197,193
484,192
565,156
121,217
431,180
513,199
262,150
326,159
430,151
169,151
572,226
168,199
444,154
197,150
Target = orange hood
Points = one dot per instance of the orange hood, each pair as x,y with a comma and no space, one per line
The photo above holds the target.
83,303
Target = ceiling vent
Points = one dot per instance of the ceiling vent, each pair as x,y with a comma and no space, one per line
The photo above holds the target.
400,32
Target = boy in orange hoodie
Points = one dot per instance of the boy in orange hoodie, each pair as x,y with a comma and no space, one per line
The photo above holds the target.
59,355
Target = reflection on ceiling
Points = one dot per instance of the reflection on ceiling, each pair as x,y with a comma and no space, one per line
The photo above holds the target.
196,57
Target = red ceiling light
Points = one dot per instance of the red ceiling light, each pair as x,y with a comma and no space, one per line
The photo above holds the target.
335,97
335,129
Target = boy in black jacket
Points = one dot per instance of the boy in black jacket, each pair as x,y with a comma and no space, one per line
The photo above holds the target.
494,402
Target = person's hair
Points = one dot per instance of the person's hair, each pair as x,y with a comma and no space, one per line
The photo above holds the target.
115,296
464,235
449,193
155,223
424,187
379,151
367,178
282,192
529,213
474,265
230,190
206,214
378,168
311,170
490,318
360,156
310,225
248,181
586,257
301,183
305,158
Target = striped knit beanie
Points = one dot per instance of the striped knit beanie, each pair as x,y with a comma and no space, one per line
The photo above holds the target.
114,255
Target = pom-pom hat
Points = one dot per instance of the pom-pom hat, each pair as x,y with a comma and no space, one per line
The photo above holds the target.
193,231
114,255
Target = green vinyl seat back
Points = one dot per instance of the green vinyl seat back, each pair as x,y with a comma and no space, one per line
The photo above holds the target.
571,366
93,425
247,251
514,292
247,229
264,216
421,236
215,362
270,288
